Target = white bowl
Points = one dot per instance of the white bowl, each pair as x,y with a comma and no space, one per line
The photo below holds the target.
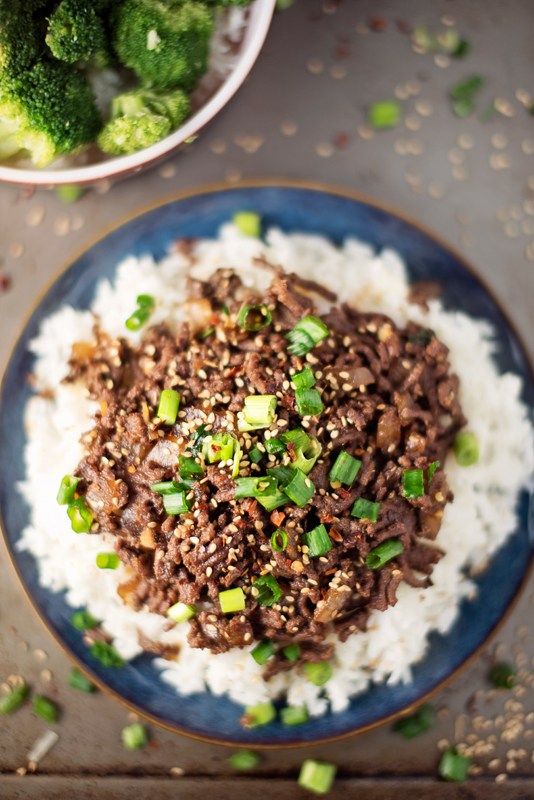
260,14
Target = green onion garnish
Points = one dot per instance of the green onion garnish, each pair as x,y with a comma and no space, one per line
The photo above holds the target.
317,776
502,676
432,469
317,541
146,301
308,332
258,412
466,448
463,95
304,379
255,455
309,402
137,319
318,672
207,332
269,591
413,483
176,503
306,457
134,736
83,621
453,766
345,468
106,654
255,487
384,114
282,474
45,708
385,551
198,438
279,541
188,468
300,488
263,652
67,490
365,509
248,223
10,702
294,715
181,612
166,487
272,501
275,447
107,560
254,318
258,715
169,403
69,192
296,437
232,600
219,447
80,515
292,652
77,680
244,760
415,724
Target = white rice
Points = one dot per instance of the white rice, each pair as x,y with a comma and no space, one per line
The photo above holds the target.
474,525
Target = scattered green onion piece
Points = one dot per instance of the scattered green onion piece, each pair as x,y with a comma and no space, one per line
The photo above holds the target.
294,715
466,448
77,680
365,509
137,319
305,458
304,379
309,402
317,776
176,503
384,114
279,541
254,318
181,612
146,301
12,701
69,192
413,483
299,342
275,447
207,332
83,621
255,455
463,95
308,332
255,716
263,652
67,490
107,560
300,489
258,412
317,541
80,515
188,468
345,469
134,736
106,654
248,223
432,469
296,437
453,766
166,487
169,403
292,652
318,672
219,447
272,501
415,724
45,708
244,760
238,454
269,591
198,437
282,474
502,675
385,551
232,600
255,487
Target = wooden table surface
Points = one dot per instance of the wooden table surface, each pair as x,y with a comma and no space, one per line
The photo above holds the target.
301,114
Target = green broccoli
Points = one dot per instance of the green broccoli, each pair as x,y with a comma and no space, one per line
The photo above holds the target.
19,46
46,111
166,43
226,3
75,31
141,118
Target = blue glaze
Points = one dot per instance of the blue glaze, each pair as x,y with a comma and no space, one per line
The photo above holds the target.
292,209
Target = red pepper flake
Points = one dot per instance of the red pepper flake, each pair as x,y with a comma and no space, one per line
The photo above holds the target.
341,140
377,24
277,517
403,27
5,282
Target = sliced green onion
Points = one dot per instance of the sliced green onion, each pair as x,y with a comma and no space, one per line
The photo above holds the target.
67,490
453,766
279,541
207,332
415,724
258,412
263,652
431,470
232,600
198,438
385,551
134,736
238,454
317,541
83,620
294,715
10,702
176,503
107,560
317,776
304,379
300,489
219,447
365,509
275,447
413,483
384,114
292,652
45,708
188,468
181,612
502,675
255,455
296,437
244,760
282,474
77,680
345,468
255,487
272,501
248,223
137,319
169,403
80,515
69,192
309,402
106,654
146,301
305,458
166,487
254,318
466,448
258,715
308,332
269,591
318,672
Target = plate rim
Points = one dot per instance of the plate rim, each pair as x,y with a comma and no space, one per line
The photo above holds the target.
219,188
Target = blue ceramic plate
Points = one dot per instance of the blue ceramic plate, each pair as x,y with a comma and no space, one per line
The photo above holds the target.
334,214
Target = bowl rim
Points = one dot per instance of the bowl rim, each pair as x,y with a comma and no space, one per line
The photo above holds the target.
215,188
256,29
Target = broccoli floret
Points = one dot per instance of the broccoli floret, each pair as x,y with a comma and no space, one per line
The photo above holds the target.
75,31
19,45
166,44
46,111
226,3
141,118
